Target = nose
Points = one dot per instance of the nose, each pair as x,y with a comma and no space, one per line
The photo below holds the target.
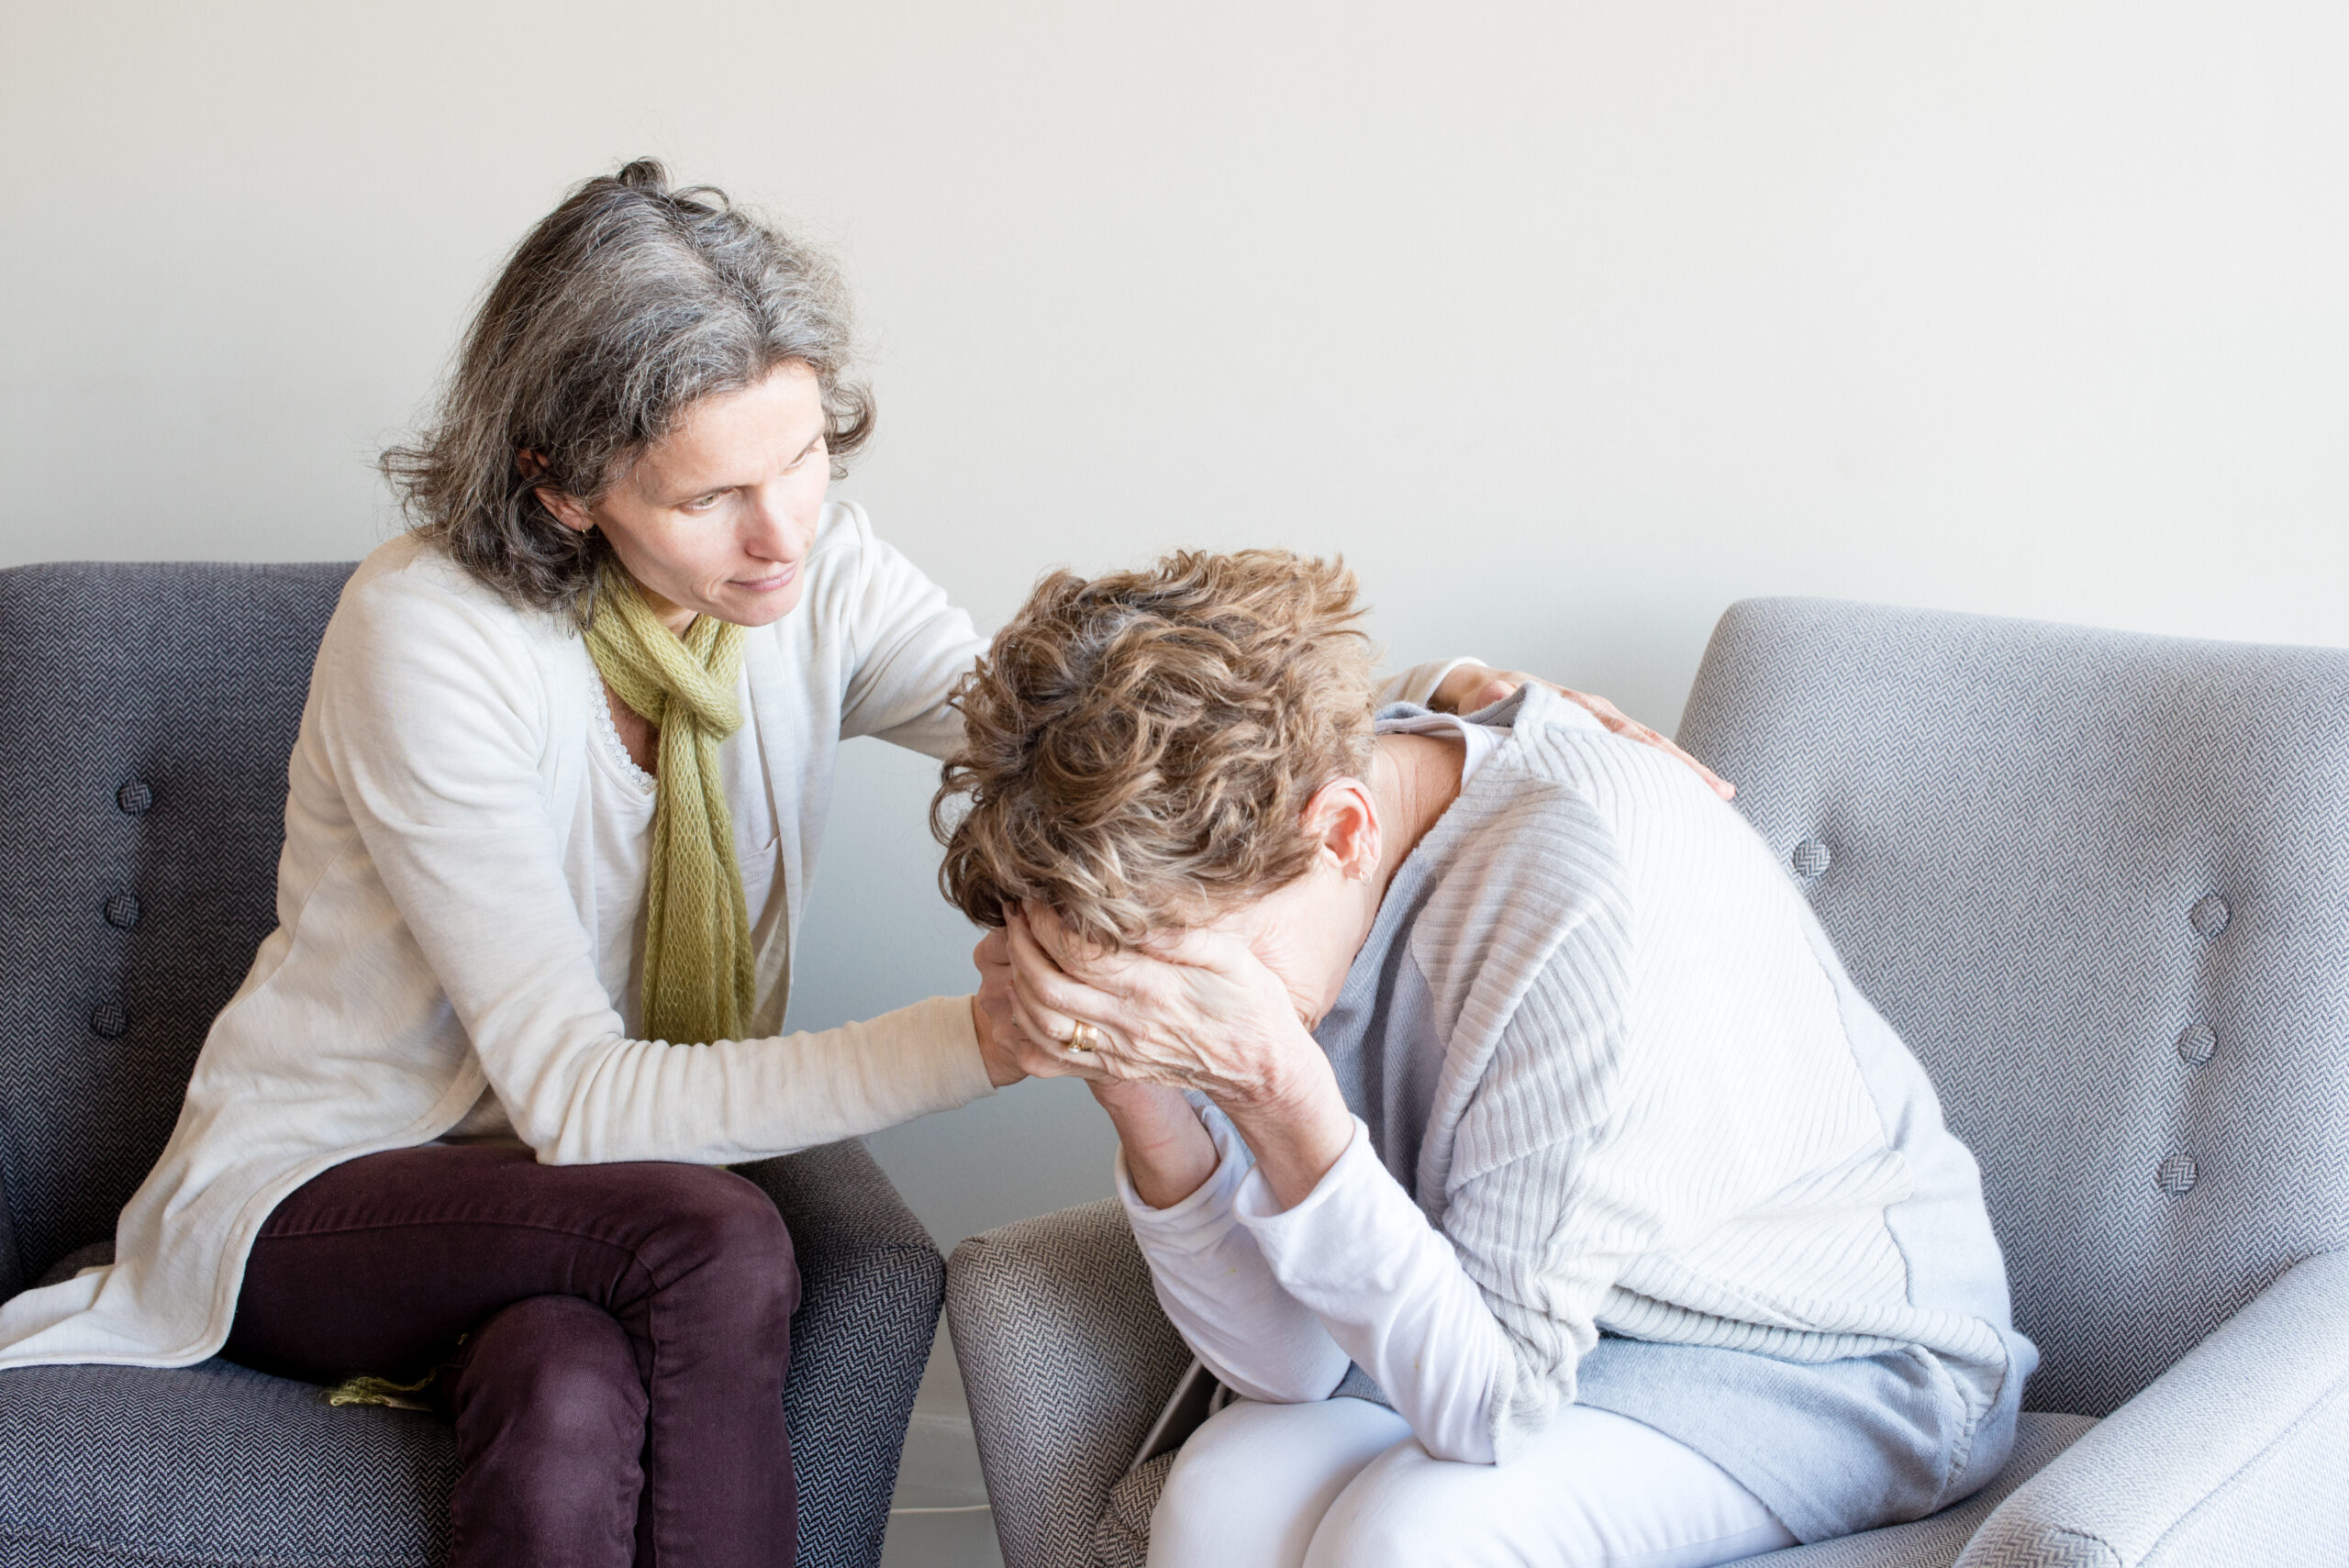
771,530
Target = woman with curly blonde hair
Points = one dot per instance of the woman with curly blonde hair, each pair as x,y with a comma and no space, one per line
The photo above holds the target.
1498,1125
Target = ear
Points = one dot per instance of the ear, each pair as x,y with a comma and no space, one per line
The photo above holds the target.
1343,817
566,510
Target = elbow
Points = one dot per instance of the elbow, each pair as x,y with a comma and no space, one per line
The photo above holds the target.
1273,1391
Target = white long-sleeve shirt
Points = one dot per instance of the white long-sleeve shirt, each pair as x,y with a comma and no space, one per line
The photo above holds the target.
447,907
1278,1303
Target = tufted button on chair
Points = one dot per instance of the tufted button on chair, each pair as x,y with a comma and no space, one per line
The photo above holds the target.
2101,883
146,717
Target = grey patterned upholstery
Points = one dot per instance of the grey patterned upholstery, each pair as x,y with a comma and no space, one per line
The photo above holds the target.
1066,1359
2101,883
2239,1454
871,1284
2054,858
146,714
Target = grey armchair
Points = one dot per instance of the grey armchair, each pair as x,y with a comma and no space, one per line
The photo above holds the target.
146,716
2101,883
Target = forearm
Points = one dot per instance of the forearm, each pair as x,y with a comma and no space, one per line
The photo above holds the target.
736,1100
1390,1292
1165,1151
1217,1290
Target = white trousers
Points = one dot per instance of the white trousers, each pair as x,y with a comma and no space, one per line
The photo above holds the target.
1343,1483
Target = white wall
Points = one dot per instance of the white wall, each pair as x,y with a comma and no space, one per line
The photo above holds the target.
1568,322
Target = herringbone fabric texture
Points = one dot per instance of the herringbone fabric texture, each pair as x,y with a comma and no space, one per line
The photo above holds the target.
1122,1537
2237,1455
871,1284
146,716
213,1464
2054,858
1067,1360
1935,1542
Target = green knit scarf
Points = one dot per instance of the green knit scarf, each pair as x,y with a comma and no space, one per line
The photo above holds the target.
698,976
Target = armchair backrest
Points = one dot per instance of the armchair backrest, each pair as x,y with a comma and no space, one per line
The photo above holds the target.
2100,883
147,713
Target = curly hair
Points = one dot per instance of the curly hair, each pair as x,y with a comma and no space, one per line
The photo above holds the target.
626,305
1141,748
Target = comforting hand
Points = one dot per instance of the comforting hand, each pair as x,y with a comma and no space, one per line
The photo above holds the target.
1008,1051
1472,687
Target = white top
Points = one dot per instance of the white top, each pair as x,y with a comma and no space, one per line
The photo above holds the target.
621,797
458,904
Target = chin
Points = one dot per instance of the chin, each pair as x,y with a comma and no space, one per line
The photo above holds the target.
762,609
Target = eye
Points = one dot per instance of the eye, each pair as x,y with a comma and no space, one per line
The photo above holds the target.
704,503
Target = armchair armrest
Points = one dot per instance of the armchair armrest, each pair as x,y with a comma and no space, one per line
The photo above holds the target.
1067,1360
2234,1455
870,1283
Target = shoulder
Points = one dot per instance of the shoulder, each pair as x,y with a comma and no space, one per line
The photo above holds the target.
1532,893
840,572
1530,842
1557,740
412,623
845,551
411,581
409,594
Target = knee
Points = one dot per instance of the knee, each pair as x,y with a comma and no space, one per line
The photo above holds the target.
1250,1488
554,1365
720,1229
1403,1512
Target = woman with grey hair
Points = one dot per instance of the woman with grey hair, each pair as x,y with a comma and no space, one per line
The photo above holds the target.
559,779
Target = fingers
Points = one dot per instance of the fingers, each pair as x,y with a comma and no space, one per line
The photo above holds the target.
1109,973
1196,947
1720,785
1598,708
1054,999
1036,983
1630,729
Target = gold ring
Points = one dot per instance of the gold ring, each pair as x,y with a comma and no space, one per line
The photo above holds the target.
1084,1037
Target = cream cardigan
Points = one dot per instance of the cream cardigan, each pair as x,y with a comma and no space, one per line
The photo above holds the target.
432,934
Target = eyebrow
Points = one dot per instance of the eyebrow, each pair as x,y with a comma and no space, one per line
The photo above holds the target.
678,499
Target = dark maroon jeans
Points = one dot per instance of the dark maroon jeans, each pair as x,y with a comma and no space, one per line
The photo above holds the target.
618,1393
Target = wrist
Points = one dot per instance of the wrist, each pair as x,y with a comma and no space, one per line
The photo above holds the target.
1293,1077
1298,1129
1168,1153
1002,1070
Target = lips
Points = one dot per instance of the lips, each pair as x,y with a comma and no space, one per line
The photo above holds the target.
768,585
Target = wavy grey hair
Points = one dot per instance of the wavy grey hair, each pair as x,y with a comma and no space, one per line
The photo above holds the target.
626,305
